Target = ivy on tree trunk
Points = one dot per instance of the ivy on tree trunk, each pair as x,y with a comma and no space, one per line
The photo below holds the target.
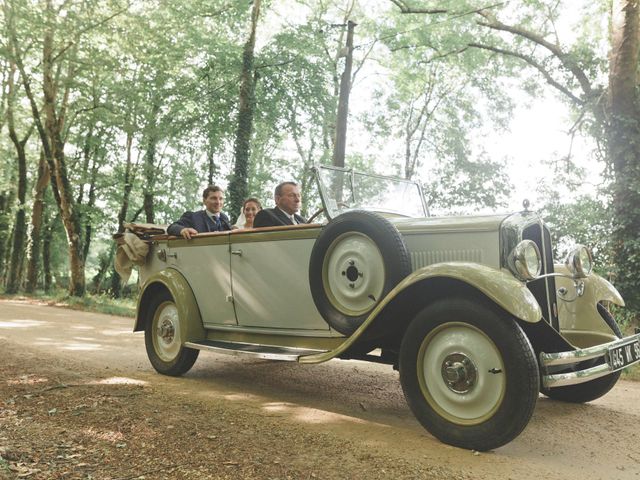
239,181
624,145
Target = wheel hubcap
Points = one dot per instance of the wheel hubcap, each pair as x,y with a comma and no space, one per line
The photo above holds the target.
166,340
459,373
166,331
353,274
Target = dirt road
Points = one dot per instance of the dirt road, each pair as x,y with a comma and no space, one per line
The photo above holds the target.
78,399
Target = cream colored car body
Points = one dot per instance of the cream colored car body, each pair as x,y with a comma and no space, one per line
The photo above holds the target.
253,286
451,302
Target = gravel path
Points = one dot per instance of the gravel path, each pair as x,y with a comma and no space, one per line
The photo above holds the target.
78,399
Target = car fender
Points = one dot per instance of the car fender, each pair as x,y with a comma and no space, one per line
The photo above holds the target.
500,286
580,313
188,311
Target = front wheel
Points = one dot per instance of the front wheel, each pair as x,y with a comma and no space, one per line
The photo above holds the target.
163,338
469,374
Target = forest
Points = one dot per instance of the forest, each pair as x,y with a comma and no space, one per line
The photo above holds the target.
116,111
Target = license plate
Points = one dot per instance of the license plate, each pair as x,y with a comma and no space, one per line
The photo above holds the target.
624,355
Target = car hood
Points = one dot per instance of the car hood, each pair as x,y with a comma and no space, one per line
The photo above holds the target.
466,223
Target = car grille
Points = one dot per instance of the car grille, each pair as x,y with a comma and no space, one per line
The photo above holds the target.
545,289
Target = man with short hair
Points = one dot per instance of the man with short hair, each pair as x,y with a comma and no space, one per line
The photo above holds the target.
211,219
288,199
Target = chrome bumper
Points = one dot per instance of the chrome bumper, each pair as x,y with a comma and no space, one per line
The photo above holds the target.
580,376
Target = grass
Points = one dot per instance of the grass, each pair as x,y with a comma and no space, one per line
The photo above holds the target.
125,307
631,373
4,465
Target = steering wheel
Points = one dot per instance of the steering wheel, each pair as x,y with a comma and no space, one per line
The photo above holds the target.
321,210
313,217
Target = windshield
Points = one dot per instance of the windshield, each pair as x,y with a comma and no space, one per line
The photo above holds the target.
344,190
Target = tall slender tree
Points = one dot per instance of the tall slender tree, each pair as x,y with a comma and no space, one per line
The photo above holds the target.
238,184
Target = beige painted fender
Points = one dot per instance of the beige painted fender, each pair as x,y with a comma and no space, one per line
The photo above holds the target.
498,285
579,317
188,311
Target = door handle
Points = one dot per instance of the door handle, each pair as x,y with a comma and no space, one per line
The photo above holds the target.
236,252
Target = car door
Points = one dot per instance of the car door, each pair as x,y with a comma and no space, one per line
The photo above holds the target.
204,262
270,279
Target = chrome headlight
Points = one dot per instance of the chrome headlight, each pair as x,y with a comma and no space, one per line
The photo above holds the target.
579,261
525,261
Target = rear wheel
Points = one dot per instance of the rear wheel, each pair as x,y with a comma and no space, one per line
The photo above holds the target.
163,338
469,374
588,391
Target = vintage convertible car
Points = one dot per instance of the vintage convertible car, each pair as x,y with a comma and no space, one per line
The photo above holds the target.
471,310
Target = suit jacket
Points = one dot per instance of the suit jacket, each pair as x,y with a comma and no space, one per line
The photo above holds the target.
200,221
274,217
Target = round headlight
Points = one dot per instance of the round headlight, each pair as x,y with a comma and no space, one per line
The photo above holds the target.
579,261
525,260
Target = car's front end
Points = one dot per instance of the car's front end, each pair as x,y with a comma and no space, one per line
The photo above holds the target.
508,259
573,302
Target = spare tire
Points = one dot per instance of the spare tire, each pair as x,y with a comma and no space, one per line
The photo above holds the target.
356,260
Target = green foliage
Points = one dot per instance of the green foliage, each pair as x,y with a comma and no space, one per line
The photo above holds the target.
125,307
166,75
586,221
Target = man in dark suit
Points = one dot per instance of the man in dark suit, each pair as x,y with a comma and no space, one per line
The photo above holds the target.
211,219
288,199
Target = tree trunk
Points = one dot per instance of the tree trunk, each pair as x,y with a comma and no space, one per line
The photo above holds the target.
150,165
5,228
47,238
128,184
35,236
624,145
115,287
53,126
14,278
52,139
105,265
211,161
8,199
88,228
238,184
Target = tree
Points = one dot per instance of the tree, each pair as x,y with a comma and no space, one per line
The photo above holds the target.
37,217
19,233
609,112
59,68
623,135
238,184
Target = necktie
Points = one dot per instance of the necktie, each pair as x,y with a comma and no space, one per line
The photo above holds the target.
216,220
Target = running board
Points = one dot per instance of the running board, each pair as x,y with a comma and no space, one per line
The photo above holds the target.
268,352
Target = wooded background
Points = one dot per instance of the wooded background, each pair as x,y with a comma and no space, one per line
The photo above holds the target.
115,111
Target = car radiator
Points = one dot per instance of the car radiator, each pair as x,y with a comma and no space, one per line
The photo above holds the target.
544,289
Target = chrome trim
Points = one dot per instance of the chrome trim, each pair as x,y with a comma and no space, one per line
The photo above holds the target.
287,354
518,261
511,233
554,274
575,378
580,355
543,253
574,262
211,327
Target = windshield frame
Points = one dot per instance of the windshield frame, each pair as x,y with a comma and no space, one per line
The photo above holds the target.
350,175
